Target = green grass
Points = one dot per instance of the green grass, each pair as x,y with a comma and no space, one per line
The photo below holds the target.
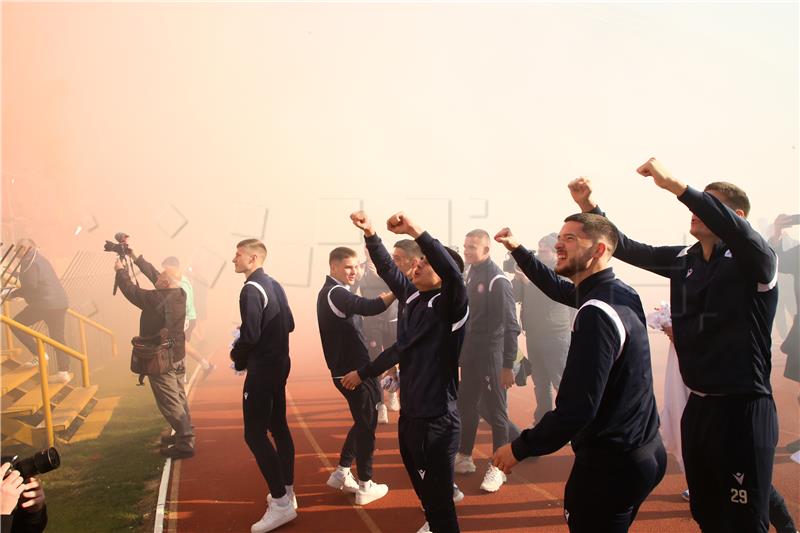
110,483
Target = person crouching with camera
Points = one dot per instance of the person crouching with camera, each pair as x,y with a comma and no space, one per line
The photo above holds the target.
158,351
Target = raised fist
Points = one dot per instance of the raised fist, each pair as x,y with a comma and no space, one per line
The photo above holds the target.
362,221
581,191
400,224
506,238
662,177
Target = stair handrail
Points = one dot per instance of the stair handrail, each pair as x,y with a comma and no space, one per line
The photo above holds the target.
82,321
41,340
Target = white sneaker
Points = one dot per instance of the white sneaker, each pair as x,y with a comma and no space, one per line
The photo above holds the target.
383,414
368,491
274,517
60,377
424,529
457,494
291,493
394,401
342,479
464,464
493,479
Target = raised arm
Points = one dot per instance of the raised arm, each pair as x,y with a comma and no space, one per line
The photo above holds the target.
133,293
397,281
554,287
147,269
656,259
504,314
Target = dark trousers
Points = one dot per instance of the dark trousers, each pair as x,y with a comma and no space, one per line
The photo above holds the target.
264,408
482,395
170,397
55,319
428,448
360,442
547,358
604,490
728,445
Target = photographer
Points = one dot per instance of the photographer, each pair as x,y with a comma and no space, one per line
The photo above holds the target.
46,299
30,516
163,316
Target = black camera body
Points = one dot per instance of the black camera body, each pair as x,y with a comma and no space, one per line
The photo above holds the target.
37,464
120,247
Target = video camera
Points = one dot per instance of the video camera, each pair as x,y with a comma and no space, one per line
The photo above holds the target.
120,247
35,465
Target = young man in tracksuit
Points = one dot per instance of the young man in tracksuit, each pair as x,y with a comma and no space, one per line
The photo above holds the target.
339,315
430,332
487,358
605,404
723,297
263,350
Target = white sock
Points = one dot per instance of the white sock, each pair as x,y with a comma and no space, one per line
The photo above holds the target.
283,501
289,489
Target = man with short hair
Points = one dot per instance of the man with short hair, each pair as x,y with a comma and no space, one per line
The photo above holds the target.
263,350
172,266
605,406
723,297
46,300
487,357
429,336
339,315
547,328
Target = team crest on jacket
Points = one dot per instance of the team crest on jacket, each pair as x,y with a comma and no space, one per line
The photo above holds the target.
481,288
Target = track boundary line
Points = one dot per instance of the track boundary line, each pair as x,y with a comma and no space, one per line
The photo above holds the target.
166,479
368,521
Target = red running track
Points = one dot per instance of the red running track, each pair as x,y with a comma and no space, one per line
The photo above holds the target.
221,489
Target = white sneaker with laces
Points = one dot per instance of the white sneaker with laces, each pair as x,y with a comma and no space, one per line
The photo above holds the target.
424,529
290,493
368,491
493,479
464,464
457,494
275,516
61,377
394,401
383,414
342,479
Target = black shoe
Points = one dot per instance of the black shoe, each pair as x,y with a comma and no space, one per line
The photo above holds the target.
175,453
168,440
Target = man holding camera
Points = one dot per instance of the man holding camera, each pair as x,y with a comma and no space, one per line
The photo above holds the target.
46,299
163,309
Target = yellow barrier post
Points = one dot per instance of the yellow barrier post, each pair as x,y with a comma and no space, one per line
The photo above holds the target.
9,336
48,415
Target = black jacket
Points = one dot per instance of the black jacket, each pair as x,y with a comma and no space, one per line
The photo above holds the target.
339,314
605,400
22,521
429,331
267,320
491,337
722,310
154,304
39,285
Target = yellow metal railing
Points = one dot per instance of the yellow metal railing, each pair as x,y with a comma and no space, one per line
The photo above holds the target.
82,321
41,340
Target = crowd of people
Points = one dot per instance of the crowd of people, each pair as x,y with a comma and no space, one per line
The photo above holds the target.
443,329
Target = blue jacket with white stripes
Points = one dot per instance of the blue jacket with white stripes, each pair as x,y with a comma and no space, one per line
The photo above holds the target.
491,337
430,331
722,309
605,400
339,314
267,320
